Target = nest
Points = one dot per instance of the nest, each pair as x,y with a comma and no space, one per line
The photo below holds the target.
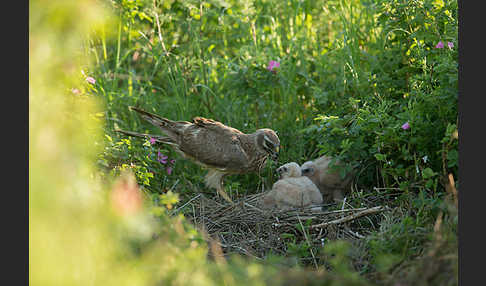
246,228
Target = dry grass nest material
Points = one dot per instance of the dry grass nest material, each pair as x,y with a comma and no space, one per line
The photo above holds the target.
246,228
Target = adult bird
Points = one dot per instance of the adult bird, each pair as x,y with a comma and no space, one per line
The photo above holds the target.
221,149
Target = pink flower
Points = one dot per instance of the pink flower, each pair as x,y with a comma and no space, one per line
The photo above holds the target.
152,140
450,45
439,45
406,126
273,65
161,158
90,80
75,91
172,161
126,196
169,170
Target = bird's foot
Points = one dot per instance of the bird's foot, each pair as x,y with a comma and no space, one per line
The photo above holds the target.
224,195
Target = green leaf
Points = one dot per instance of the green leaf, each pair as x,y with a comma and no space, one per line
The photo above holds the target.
428,173
452,158
380,157
287,235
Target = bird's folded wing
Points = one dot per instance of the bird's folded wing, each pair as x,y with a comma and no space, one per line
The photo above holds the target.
214,126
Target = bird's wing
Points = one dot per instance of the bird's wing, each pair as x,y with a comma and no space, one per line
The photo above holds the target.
269,199
170,127
310,188
287,193
322,162
210,124
215,145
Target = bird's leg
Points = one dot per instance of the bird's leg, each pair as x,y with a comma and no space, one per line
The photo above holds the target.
214,179
222,192
261,180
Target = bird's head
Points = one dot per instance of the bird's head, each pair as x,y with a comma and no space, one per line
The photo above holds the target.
287,170
268,140
308,168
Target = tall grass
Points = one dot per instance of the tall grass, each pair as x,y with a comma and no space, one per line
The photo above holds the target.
351,74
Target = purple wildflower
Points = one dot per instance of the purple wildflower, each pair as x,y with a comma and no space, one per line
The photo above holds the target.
169,170
152,140
273,65
439,45
450,45
406,126
90,80
161,158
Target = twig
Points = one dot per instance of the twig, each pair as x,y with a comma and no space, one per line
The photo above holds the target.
253,207
356,234
341,211
350,217
377,189
308,243
297,217
175,184
238,247
176,210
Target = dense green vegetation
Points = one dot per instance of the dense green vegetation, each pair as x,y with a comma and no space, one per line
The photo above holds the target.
373,83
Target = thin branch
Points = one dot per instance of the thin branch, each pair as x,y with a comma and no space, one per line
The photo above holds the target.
356,234
350,217
176,210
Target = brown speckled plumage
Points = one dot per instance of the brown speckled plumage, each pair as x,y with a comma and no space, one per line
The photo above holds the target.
222,149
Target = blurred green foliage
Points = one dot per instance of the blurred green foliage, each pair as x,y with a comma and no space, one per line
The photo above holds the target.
76,234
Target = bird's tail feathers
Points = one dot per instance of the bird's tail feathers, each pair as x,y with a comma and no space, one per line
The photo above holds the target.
158,138
154,119
172,128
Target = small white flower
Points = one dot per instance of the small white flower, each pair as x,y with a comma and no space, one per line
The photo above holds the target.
425,158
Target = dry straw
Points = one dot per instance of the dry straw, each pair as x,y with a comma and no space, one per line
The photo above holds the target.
246,228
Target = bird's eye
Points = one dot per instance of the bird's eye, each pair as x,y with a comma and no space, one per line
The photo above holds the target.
284,169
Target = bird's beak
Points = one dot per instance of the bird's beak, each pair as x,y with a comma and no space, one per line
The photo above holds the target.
274,154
